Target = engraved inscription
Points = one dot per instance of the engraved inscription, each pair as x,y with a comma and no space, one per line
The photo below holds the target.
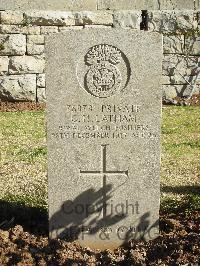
104,122
104,173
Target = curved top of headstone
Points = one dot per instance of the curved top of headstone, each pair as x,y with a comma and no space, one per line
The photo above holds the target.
97,4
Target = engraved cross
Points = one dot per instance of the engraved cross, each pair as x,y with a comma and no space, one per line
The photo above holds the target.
104,173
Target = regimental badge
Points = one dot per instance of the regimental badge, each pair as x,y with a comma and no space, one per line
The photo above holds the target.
103,77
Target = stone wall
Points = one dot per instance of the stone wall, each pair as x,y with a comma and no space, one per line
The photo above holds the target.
93,5
22,37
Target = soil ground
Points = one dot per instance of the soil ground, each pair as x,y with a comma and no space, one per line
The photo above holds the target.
21,106
178,244
32,106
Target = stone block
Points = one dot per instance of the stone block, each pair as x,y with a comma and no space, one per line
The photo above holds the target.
165,79
173,44
49,30
64,29
26,64
4,61
178,79
18,88
172,91
169,91
35,39
97,27
48,5
14,44
8,29
127,19
41,80
185,65
49,18
176,4
41,95
145,5
31,30
185,90
11,17
98,18
35,44
13,29
127,4
192,45
33,49
197,4
176,22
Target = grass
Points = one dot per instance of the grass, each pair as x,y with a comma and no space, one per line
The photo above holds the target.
180,172
23,158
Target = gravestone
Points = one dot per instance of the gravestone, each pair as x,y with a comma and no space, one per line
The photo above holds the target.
103,116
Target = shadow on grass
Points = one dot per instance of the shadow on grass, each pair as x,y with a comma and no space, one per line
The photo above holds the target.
182,190
189,201
33,219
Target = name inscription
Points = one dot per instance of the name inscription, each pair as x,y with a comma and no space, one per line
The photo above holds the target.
106,122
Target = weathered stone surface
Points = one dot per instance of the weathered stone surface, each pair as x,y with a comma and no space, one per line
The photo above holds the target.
127,4
49,18
165,79
127,19
41,95
31,30
26,64
11,17
13,29
12,44
185,65
173,44
33,49
97,26
172,91
197,4
4,61
35,44
18,88
186,90
49,29
172,22
35,39
192,45
41,80
48,4
98,17
176,4
63,29
104,135
145,5
178,79
96,4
